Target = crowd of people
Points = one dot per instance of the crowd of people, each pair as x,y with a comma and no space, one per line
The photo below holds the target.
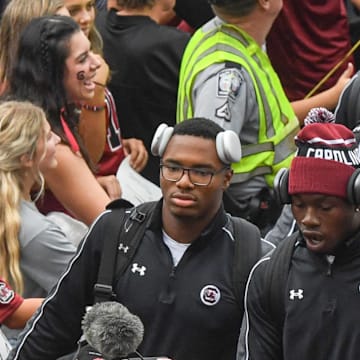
227,106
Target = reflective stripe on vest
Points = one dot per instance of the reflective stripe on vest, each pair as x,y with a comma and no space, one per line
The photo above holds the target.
277,121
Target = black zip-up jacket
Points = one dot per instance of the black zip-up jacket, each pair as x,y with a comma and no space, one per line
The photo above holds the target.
322,308
189,311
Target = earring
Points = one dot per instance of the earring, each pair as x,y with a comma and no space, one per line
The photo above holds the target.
357,209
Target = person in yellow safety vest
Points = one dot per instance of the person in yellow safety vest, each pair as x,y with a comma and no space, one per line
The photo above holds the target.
226,76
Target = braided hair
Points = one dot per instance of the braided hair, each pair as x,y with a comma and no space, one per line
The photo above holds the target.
39,69
17,15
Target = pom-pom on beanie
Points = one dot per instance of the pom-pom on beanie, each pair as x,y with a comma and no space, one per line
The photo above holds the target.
326,157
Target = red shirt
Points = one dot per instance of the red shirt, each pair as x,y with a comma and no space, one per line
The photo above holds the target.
113,153
307,40
9,301
109,162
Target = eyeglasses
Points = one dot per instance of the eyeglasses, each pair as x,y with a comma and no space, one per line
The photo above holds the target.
199,177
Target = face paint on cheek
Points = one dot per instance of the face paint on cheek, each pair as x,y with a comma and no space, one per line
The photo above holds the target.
80,75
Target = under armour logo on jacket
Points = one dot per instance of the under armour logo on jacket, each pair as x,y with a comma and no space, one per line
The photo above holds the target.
136,268
125,249
296,294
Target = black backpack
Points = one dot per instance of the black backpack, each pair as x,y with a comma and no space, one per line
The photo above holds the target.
130,225
276,278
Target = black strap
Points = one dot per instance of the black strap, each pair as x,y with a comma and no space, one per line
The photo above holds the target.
103,288
132,233
276,278
129,226
247,253
348,110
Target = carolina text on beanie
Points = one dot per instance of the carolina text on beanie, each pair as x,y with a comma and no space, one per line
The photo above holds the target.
326,158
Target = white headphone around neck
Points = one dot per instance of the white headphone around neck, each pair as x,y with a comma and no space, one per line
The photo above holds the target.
228,146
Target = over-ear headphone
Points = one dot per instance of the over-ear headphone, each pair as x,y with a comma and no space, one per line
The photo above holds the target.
281,183
281,187
353,188
228,145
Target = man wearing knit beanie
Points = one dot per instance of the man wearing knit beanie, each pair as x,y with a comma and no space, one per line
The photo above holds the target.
315,314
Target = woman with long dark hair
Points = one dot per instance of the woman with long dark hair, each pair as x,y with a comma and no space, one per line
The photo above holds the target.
99,124
54,69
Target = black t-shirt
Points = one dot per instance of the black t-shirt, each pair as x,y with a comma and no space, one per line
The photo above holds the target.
194,12
144,58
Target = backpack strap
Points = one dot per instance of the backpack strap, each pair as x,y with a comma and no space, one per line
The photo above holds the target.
247,252
103,290
347,111
129,226
353,107
276,278
132,233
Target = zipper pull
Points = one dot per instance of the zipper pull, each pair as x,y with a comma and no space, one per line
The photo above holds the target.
330,259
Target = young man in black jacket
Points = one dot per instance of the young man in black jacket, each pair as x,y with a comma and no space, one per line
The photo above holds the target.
319,316
180,280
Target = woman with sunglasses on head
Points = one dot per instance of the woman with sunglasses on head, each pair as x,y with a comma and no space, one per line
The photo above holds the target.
55,58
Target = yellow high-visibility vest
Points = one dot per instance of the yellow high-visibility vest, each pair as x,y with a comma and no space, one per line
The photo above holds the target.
278,124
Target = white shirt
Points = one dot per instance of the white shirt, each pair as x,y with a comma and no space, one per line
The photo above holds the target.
177,249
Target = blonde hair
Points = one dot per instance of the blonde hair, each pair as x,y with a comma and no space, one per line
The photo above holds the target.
21,127
17,14
96,41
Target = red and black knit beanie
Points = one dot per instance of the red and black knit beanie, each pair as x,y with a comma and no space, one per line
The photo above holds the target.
326,158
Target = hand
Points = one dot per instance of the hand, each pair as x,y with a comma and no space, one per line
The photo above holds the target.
344,78
111,185
137,151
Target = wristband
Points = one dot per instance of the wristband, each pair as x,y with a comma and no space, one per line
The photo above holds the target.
94,108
